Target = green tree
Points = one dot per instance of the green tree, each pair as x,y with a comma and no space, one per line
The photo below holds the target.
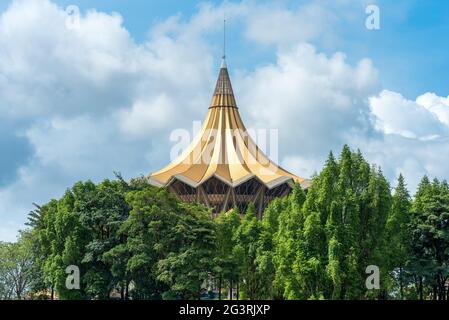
149,238
288,239
169,246
225,262
310,264
397,244
15,267
339,232
247,238
38,252
64,240
190,264
101,209
429,260
267,246
80,229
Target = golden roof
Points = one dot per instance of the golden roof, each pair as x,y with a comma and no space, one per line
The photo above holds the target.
223,149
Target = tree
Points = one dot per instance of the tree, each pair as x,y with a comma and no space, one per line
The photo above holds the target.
64,239
429,261
147,244
79,229
287,242
189,265
15,267
326,239
225,262
101,209
310,264
266,250
397,244
148,238
169,246
247,238
36,223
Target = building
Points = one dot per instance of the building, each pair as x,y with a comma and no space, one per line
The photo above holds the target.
223,167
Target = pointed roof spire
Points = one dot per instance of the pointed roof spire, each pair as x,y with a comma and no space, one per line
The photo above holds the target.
223,94
223,63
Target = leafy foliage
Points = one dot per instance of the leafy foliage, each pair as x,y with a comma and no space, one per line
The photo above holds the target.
134,241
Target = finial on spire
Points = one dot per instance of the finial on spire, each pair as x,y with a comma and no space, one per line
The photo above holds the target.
223,60
224,38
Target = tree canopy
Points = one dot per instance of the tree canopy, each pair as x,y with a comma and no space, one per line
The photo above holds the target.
130,240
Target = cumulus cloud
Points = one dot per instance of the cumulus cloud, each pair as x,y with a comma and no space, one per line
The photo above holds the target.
47,68
439,106
316,101
88,100
145,116
93,68
410,119
415,138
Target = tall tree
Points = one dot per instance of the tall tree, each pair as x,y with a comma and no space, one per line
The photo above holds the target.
351,201
310,264
15,267
247,238
226,264
397,244
101,209
267,247
186,268
64,240
149,238
287,240
430,239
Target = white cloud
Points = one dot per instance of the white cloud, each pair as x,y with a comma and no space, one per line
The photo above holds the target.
321,102
303,165
8,231
46,68
68,86
414,158
274,24
415,140
315,101
145,116
436,105
397,115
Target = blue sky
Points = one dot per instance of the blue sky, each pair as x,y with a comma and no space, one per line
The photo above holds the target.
414,33
80,104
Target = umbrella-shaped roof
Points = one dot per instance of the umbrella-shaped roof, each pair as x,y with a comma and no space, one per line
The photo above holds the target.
223,149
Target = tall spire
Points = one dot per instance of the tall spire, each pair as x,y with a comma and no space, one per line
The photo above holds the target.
223,60
223,94
224,39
